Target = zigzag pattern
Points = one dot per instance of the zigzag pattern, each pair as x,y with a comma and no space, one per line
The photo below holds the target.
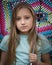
44,27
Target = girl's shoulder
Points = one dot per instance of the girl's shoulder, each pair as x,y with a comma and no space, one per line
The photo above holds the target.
6,37
4,43
41,36
43,39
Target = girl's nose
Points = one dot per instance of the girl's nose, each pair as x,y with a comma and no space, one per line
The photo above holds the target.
22,21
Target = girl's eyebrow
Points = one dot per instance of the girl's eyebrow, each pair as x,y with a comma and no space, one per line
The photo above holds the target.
27,15
18,17
24,16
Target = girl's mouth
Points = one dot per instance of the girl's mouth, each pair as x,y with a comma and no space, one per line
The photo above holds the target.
23,27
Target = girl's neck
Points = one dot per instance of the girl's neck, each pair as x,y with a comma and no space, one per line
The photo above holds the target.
23,33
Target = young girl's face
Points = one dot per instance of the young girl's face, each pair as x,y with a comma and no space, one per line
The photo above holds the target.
24,20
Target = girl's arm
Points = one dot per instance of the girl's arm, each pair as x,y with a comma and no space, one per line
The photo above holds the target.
3,58
46,60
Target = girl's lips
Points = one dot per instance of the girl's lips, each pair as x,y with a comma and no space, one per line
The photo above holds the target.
24,27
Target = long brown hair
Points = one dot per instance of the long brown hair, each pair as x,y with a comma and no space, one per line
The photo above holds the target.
14,33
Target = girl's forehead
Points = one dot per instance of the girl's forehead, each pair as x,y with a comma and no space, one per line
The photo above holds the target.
23,11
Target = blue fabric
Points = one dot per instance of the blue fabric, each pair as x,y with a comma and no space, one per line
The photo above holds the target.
22,51
4,43
46,47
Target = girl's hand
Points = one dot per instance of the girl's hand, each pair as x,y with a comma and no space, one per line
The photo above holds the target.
33,58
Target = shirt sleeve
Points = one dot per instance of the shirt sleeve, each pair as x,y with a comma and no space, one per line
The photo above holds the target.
4,43
46,46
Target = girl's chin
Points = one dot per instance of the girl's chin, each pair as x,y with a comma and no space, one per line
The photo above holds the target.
24,32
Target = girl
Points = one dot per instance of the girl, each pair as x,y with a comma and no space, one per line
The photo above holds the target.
24,46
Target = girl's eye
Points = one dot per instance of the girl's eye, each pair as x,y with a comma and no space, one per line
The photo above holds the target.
27,17
18,19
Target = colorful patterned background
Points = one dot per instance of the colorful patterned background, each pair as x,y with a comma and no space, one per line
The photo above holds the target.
42,8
